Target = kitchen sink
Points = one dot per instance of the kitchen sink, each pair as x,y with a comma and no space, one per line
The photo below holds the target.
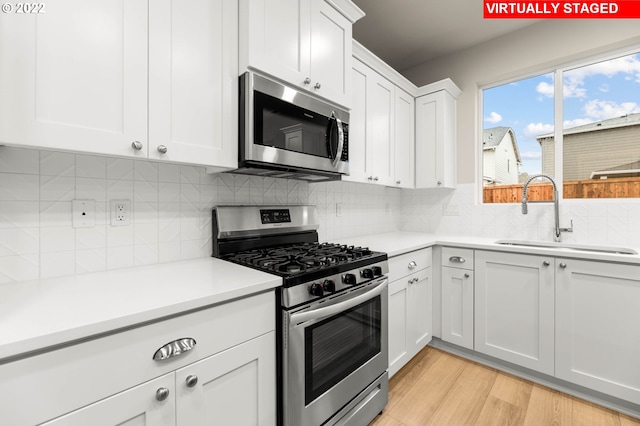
577,247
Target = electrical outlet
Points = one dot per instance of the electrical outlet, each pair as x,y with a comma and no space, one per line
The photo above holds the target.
84,213
120,212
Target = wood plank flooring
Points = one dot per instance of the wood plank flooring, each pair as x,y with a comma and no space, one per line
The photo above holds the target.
437,388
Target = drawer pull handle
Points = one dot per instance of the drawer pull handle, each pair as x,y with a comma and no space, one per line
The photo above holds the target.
192,380
457,259
412,265
175,348
162,394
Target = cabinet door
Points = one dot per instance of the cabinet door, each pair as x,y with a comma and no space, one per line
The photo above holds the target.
234,387
75,77
514,309
380,131
436,141
597,333
135,407
277,38
398,325
193,83
359,151
403,141
457,306
420,299
330,53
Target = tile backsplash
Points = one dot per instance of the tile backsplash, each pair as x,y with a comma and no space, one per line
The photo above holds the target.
171,210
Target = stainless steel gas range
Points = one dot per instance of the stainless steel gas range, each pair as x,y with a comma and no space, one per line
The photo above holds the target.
331,312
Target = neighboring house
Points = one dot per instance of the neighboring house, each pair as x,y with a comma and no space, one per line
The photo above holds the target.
604,149
500,156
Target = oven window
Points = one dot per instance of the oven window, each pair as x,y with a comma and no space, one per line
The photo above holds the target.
286,126
337,346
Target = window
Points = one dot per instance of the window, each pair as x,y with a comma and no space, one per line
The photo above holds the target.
597,145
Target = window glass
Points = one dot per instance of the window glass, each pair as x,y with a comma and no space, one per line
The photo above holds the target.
601,130
515,116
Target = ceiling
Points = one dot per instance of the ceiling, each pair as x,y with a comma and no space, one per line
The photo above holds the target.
406,33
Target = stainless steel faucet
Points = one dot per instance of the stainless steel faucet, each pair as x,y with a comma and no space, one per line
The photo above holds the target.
556,207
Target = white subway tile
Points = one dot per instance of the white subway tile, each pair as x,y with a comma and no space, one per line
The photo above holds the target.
19,160
19,187
19,268
91,166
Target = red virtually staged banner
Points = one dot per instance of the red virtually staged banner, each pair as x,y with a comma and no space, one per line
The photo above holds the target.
561,9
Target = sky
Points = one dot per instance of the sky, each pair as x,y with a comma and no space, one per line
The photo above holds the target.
593,93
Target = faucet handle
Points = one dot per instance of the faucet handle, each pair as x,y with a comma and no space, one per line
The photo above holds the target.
569,229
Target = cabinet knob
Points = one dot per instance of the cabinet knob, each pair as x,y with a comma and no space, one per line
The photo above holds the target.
192,380
439,182
162,149
162,394
316,86
375,179
412,265
546,263
137,145
563,265
397,182
307,80
370,178
466,275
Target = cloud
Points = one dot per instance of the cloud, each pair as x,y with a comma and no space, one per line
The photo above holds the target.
545,89
493,118
574,79
601,110
533,130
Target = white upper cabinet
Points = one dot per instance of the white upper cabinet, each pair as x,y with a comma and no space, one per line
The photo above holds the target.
436,135
75,77
306,43
193,82
138,79
404,140
371,127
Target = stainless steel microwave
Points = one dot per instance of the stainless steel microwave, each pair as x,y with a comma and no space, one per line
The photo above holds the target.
289,134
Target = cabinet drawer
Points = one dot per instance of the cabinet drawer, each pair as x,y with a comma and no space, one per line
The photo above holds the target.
405,264
41,387
455,257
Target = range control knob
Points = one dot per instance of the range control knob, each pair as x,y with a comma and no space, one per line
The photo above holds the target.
316,290
349,279
377,271
366,273
329,286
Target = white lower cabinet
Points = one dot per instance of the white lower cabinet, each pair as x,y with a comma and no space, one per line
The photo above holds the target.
410,298
227,378
514,308
457,296
598,326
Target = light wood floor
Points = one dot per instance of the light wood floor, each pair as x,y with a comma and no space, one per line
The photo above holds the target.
437,388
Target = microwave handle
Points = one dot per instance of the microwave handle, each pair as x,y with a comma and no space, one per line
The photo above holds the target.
325,312
338,154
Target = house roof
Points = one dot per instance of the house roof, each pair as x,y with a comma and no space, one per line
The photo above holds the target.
492,137
610,123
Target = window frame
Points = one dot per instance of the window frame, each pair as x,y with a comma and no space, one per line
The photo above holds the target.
557,71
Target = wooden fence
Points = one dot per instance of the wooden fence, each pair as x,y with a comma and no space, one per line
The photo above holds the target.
601,188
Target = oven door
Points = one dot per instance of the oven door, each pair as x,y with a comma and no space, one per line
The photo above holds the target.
334,351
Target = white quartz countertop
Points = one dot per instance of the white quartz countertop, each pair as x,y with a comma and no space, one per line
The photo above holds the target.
397,243
44,313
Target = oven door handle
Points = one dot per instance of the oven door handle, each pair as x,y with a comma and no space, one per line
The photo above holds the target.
321,313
